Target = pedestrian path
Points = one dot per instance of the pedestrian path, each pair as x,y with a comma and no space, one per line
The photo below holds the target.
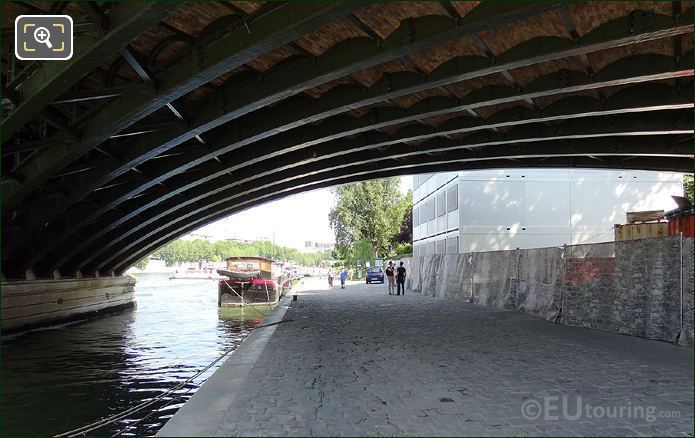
360,362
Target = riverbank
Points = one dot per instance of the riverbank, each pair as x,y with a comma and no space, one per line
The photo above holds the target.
100,366
31,304
360,362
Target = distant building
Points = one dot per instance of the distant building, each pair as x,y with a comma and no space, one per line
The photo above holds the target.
237,240
198,236
530,208
311,246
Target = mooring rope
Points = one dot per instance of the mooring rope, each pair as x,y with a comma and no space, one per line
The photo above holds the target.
140,420
243,300
81,431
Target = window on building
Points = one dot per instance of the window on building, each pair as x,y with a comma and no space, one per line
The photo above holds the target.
430,209
452,245
441,203
452,198
416,219
441,246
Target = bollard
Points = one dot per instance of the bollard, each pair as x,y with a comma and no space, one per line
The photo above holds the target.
294,297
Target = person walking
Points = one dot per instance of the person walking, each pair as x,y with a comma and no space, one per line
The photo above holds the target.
343,277
400,278
390,272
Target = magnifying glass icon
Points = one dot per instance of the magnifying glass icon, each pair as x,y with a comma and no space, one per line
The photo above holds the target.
42,36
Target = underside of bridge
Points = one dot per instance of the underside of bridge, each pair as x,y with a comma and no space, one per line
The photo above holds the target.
170,116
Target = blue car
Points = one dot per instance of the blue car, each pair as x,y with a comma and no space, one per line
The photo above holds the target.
375,274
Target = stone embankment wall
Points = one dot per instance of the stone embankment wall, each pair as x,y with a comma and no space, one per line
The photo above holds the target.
36,303
628,287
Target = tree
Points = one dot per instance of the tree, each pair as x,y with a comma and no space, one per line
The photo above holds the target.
363,250
689,188
180,251
405,235
372,210
142,263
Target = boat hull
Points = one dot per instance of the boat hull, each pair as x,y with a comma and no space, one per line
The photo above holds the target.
238,275
193,277
241,293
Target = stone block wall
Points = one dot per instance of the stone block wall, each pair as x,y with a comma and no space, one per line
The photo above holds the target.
28,304
495,278
454,273
590,297
628,287
686,337
539,291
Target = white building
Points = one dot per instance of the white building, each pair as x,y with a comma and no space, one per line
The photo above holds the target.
311,246
530,208
198,236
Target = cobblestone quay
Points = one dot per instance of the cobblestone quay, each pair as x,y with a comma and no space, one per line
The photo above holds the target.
360,362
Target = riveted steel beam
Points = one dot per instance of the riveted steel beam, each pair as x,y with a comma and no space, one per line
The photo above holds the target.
392,86
257,94
341,127
343,157
237,100
31,146
50,79
651,99
103,93
173,231
281,25
587,109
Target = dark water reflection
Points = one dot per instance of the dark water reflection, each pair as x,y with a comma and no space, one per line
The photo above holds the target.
65,377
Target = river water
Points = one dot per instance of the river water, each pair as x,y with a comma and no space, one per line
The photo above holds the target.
67,376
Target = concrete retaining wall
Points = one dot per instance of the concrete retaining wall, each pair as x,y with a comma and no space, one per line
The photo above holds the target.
30,304
628,287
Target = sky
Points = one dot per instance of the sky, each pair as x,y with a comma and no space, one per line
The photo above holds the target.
292,220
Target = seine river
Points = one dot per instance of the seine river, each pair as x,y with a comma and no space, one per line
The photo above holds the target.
65,377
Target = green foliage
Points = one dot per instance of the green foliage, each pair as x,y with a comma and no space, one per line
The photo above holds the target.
371,210
362,250
181,251
406,248
689,188
405,235
142,263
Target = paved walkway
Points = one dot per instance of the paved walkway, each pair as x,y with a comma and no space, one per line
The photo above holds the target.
360,362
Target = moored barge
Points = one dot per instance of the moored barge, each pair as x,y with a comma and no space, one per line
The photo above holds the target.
248,280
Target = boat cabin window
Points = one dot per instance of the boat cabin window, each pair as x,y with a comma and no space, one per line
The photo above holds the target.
245,265
251,264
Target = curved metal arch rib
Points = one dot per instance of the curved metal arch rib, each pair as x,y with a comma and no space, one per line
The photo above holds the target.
120,264
53,78
416,155
327,158
347,57
439,79
234,49
272,147
217,110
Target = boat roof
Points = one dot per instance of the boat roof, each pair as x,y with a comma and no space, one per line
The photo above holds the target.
248,258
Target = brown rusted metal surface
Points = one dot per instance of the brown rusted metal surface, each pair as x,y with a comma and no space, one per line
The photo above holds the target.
430,59
319,41
503,38
384,18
